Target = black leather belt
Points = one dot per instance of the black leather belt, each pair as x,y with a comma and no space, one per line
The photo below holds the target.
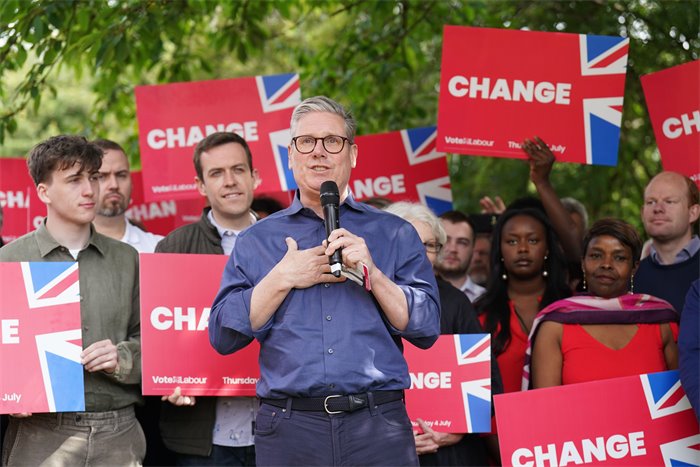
337,403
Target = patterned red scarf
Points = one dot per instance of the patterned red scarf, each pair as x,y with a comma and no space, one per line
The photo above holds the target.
589,309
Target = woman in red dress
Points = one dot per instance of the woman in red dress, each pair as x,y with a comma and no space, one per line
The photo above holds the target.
528,272
610,332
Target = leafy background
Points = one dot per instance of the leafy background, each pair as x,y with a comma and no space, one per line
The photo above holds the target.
71,66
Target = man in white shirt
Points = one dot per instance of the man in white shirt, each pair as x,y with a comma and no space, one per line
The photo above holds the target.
453,262
115,195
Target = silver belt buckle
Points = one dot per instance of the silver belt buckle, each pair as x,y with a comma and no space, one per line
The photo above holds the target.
325,405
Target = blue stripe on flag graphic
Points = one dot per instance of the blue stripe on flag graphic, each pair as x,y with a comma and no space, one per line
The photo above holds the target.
418,136
274,83
597,45
284,164
661,383
467,341
605,138
45,272
438,206
66,383
480,414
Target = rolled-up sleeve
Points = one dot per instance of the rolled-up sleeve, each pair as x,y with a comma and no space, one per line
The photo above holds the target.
414,275
229,322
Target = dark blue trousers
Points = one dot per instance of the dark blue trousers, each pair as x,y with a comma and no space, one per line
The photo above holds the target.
220,456
378,435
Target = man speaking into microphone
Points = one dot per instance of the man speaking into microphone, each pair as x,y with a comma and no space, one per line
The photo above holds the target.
332,372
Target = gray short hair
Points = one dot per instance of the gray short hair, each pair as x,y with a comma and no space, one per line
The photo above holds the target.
418,212
324,104
573,205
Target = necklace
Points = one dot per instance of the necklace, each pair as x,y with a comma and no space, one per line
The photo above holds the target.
522,321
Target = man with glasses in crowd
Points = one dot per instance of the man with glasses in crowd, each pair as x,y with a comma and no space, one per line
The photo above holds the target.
331,363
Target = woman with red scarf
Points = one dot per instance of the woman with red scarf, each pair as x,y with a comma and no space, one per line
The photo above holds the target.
610,332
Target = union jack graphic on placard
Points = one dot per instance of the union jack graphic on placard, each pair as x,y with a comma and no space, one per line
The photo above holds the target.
664,394
41,365
472,348
603,55
403,166
49,284
566,88
647,414
602,116
455,372
666,398
420,144
682,452
278,91
436,194
174,117
602,120
279,140
475,349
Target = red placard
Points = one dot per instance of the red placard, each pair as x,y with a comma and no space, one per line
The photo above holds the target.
162,217
402,166
173,118
40,338
499,86
673,100
177,291
22,208
451,383
638,420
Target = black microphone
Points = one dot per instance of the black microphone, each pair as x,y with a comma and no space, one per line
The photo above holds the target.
330,199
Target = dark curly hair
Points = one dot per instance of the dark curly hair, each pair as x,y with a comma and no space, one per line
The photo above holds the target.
61,152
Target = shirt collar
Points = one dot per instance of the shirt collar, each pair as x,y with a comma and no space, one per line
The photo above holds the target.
47,243
130,236
223,231
687,252
349,201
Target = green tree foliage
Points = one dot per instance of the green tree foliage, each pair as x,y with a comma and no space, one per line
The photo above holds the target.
380,57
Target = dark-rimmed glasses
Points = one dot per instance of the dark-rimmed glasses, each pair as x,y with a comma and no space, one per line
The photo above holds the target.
333,144
433,247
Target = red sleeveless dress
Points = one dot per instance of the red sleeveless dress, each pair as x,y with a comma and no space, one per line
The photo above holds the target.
586,359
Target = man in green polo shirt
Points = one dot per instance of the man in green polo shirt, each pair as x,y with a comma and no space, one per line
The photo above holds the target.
65,171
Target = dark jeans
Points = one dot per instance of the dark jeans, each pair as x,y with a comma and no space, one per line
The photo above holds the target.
156,452
220,455
377,435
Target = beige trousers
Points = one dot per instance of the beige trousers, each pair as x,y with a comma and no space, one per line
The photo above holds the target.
112,438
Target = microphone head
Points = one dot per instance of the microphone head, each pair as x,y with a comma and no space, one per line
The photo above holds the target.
329,193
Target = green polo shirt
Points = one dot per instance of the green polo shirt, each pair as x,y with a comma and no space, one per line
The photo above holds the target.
109,308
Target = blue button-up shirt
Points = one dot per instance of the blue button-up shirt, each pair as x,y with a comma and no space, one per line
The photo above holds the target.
329,338
685,254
